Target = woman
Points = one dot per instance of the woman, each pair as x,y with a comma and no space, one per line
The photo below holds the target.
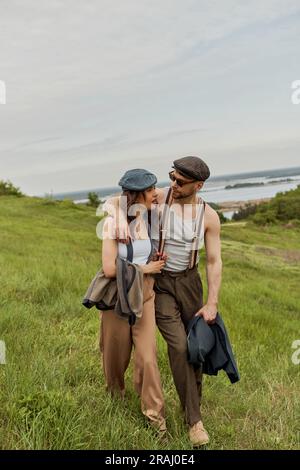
117,335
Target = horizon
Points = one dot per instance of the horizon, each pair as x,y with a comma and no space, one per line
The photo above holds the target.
212,178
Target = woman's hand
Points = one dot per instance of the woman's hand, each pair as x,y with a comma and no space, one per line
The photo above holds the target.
153,267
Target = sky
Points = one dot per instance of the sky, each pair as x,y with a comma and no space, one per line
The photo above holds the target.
95,88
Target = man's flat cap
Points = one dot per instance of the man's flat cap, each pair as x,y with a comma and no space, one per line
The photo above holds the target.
137,180
192,167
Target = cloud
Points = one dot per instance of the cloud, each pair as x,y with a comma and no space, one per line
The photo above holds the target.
128,81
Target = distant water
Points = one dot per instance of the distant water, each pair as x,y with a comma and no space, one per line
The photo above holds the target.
220,194
228,214
269,183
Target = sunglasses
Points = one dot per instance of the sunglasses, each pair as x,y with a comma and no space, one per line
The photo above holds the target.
179,182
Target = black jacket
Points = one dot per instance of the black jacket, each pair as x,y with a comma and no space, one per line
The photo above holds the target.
209,345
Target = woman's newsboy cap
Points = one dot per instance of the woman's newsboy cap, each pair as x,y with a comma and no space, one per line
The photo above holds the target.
137,180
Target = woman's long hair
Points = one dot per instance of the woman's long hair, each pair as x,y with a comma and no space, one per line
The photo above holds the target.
132,198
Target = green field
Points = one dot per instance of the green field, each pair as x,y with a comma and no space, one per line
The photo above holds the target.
52,391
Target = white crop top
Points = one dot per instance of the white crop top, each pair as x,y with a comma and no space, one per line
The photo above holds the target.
141,248
141,251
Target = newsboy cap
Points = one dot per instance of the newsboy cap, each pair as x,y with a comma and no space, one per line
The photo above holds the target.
137,180
192,167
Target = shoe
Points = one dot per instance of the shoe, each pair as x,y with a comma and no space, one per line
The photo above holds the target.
160,430
156,420
163,437
198,435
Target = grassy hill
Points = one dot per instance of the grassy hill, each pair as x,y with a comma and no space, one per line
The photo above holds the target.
52,391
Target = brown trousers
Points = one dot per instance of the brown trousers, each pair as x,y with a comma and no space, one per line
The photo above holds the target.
178,297
116,340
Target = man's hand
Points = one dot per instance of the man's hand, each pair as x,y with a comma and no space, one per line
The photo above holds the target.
122,232
113,208
160,256
209,313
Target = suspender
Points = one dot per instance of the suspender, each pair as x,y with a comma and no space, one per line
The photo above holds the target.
129,251
163,225
151,241
164,228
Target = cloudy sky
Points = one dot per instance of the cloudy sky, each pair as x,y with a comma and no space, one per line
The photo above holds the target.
96,87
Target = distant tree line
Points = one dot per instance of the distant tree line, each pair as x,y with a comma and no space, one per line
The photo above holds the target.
242,185
245,212
283,208
219,212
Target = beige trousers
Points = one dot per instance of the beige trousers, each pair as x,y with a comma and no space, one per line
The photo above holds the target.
116,340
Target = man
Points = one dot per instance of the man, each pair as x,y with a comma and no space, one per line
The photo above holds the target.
179,293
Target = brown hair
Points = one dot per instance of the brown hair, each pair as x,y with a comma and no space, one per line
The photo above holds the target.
132,197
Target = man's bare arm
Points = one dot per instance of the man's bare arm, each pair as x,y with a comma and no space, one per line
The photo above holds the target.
213,264
112,207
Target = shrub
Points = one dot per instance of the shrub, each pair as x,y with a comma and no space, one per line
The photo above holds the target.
8,189
284,207
222,217
93,199
245,212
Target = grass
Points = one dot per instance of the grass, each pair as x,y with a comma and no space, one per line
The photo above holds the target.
52,391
